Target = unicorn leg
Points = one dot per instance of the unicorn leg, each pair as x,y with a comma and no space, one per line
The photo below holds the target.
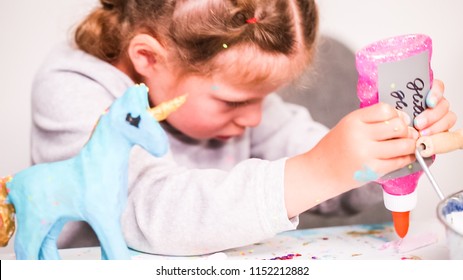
104,256
112,241
23,249
28,240
49,249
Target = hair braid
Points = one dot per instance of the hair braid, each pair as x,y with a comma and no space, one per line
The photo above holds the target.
196,31
102,32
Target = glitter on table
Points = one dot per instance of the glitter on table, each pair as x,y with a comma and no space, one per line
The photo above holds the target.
355,242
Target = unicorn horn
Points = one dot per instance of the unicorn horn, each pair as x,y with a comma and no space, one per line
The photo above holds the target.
164,109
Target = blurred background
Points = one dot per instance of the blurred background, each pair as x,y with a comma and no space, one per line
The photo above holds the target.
29,29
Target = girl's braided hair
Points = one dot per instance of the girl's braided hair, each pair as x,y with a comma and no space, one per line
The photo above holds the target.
196,31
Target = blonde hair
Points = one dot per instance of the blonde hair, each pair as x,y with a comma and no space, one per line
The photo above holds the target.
196,32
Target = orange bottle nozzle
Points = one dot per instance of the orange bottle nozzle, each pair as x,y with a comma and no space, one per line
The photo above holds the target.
401,222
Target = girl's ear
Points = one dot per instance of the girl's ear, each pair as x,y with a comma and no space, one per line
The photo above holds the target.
145,52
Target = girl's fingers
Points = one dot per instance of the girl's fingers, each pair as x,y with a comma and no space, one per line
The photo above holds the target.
435,94
412,133
444,124
394,148
394,128
431,115
389,165
378,112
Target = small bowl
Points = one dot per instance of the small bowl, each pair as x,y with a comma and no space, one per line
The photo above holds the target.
450,214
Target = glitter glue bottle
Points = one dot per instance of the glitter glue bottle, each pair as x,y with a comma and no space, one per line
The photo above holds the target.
397,71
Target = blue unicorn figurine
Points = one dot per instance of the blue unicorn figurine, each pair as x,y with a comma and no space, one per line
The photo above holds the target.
91,186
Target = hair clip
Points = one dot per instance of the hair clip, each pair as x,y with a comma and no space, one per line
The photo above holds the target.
251,20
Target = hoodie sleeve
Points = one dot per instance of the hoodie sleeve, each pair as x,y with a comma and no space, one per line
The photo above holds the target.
177,211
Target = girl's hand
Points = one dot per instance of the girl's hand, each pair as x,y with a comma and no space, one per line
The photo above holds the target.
437,118
369,143
365,145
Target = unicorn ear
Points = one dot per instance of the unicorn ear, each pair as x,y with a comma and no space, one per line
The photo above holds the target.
134,99
141,90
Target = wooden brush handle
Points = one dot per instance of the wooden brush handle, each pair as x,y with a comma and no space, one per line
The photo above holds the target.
441,143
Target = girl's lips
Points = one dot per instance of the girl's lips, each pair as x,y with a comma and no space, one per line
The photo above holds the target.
223,138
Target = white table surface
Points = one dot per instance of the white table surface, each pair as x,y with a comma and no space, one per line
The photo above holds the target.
356,242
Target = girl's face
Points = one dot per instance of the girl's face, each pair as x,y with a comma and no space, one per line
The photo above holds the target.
222,106
213,109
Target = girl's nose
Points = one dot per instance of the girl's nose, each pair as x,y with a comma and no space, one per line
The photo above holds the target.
249,116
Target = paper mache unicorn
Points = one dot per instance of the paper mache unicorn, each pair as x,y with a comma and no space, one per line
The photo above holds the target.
91,187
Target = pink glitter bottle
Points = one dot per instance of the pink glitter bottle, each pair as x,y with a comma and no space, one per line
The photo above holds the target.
397,71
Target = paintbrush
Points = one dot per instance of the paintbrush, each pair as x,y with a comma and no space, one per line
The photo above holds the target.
426,170
440,143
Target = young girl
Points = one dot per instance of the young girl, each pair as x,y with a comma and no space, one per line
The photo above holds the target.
243,164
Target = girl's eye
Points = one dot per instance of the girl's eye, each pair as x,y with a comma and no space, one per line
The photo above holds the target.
236,104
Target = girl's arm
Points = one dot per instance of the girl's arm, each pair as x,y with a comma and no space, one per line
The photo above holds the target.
288,130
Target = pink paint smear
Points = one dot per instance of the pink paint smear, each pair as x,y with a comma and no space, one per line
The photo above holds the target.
411,242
